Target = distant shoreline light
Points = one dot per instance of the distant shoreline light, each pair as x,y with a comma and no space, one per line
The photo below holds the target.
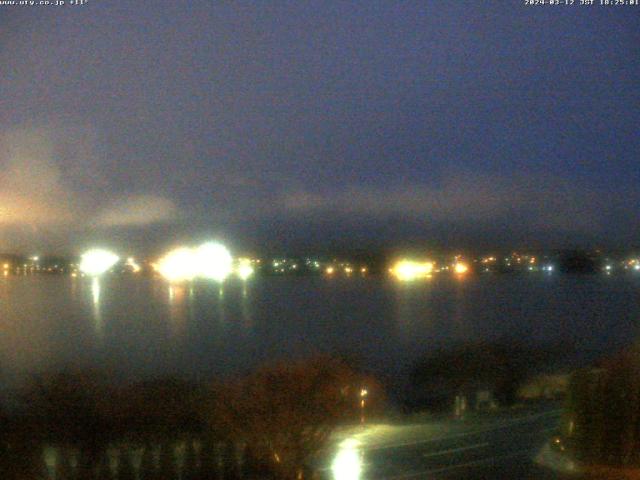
461,268
409,270
97,261
211,260
178,265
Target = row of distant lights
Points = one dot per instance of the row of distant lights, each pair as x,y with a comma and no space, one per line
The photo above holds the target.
409,270
633,264
348,270
210,260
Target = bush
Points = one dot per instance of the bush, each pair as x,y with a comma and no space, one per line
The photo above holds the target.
157,409
602,420
277,418
501,367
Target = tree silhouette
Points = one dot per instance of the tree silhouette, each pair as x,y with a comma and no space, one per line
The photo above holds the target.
285,413
602,419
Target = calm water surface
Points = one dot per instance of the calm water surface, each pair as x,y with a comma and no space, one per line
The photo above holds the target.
141,326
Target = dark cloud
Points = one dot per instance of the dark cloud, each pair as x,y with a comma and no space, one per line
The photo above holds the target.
541,201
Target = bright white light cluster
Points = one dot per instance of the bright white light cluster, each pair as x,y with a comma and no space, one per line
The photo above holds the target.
244,270
178,265
210,260
214,261
408,270
347,464
96,262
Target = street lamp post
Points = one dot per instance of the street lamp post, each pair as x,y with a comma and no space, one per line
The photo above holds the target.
363,394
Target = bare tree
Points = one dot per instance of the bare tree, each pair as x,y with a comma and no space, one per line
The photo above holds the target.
285,413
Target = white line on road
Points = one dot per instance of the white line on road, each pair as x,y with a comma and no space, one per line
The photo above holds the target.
456,450
464,434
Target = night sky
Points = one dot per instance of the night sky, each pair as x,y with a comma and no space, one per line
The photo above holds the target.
311,125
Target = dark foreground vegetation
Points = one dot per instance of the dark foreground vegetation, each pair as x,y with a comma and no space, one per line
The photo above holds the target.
271,423
602,417
276,421
500,368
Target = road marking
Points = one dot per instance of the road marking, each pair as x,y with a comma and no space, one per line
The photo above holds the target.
519,453
456,450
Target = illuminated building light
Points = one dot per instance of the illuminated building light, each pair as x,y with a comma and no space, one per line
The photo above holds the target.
213,261
330,270
244,270
178,265
96,262
461,268
210,260
407,270
348,270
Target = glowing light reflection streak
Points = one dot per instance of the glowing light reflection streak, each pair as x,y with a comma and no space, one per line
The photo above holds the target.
347,464
95,297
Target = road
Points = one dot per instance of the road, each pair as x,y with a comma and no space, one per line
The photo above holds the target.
492,446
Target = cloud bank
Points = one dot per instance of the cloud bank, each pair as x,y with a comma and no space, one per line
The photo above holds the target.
44,184
138,210
31,187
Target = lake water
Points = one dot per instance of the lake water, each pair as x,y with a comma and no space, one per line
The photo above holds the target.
140,326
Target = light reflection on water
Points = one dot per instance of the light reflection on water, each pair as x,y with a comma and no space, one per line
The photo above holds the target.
95,297
145,326
178,309
461,321
246,308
